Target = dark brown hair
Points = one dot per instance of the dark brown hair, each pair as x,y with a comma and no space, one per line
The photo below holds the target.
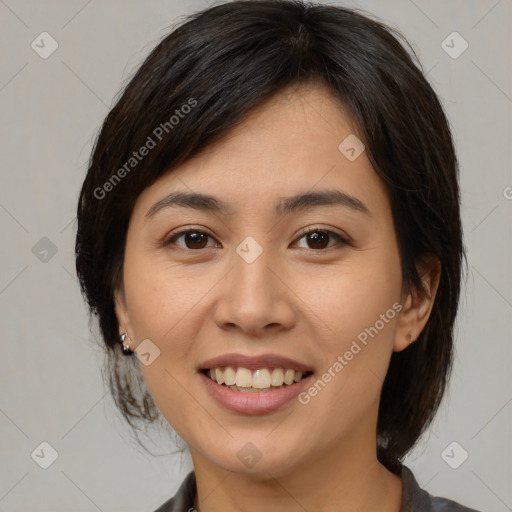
228,59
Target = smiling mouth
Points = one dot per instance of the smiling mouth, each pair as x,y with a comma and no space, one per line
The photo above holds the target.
254,381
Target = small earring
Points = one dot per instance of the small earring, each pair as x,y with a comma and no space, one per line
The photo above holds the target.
409,337
126,347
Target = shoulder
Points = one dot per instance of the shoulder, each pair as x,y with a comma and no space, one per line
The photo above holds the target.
183,500
415,499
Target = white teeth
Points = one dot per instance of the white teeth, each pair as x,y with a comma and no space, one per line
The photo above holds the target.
262,379
243,378
229,375
277,378
288,376
219,376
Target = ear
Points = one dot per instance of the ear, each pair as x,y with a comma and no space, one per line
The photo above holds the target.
416,308
121,310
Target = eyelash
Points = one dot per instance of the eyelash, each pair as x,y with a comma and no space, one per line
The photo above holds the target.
172,239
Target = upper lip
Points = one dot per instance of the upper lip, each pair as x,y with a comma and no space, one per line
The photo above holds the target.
255,362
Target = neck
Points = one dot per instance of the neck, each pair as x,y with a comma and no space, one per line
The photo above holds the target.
347,479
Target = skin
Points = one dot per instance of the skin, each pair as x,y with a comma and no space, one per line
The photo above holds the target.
295,300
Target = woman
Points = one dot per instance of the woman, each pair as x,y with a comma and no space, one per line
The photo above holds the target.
270,222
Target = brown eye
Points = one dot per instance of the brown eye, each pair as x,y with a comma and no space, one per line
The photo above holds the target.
193,239
318,239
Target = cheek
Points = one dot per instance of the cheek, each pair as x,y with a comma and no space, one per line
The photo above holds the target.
158,298
351,297
356,350
358,304
162,305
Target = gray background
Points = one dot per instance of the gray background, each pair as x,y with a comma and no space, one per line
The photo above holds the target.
51,388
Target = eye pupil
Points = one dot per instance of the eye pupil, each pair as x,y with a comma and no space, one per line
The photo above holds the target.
316,235
195,238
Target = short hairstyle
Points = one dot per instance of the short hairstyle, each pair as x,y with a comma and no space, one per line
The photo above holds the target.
221,63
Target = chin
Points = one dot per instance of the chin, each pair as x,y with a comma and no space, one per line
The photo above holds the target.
256,456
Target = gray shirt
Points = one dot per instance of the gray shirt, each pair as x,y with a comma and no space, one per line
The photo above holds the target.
414,499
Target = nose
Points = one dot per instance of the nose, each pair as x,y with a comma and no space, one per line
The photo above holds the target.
255,297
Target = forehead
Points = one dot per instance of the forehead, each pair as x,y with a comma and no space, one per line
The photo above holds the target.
292,143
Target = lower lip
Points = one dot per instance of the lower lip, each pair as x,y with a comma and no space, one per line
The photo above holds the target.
257,402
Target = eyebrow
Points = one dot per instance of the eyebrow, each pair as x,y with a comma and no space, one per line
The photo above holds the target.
284,207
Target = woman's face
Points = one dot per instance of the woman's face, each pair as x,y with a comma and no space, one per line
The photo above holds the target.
248,280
